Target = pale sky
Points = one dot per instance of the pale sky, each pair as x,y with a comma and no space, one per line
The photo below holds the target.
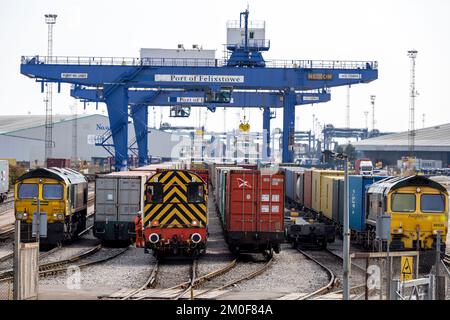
322,29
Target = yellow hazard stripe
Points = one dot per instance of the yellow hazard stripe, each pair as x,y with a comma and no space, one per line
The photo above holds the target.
183,176
180,193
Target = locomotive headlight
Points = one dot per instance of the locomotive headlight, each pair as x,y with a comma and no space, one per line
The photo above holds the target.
155,223
418,190
58,216
194,223
196,238
153,238
21,215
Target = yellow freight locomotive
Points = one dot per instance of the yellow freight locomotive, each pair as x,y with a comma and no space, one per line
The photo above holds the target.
61,195
175,216
418,208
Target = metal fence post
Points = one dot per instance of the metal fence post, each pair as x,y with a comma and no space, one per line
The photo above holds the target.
16,262
395,287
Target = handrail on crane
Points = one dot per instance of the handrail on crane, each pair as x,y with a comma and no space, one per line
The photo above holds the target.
181,62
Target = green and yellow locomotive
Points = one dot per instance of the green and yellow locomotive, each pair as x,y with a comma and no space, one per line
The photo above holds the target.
61,195
418,208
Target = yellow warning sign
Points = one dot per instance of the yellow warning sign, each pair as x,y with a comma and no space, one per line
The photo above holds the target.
406,269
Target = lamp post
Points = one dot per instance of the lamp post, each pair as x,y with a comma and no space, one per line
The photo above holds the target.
346,248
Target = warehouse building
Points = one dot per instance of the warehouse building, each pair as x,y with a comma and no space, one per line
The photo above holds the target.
22,138
431,143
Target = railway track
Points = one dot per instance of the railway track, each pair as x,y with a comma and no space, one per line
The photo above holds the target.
327,287
6,231
41,255
446,259
8,204
181,291
248,276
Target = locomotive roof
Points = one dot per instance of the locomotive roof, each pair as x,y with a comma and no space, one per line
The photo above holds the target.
127,174
393,183
67,175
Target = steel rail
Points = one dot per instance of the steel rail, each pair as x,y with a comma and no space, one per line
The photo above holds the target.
331,276
49,267
338,256
197,281
41,256
191,282
249,276
149,283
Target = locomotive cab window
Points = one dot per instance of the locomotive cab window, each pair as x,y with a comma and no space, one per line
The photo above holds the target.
154,193
432,203
28,191
403,202
196,192
52,191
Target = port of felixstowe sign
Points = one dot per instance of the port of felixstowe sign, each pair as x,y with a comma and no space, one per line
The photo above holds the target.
198,78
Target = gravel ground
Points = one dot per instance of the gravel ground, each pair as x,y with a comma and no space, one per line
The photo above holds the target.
128,270
217,253
289,272
280,277
173,271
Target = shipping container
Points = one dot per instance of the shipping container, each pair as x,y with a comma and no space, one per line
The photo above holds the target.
357,186
326,201
307,189
212,167
291,183
317,186
118,198
254,210
4,180
299,187
58,163
220,189
202,173
338,200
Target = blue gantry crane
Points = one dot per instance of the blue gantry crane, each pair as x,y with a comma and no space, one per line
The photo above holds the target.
244,70
183,100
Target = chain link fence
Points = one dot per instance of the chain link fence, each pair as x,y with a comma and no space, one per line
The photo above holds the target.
6,290
399,276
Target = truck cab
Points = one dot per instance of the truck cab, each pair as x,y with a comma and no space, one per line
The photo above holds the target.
364,167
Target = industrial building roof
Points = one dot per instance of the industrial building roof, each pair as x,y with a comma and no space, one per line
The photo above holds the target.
436,138
13,123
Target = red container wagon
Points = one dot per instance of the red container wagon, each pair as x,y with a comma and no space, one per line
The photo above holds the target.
254,211
203,173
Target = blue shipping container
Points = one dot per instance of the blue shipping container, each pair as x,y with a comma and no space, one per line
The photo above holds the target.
356,191
290,181
289,184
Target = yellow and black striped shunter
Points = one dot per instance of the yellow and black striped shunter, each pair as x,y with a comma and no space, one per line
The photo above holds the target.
418,208
62,195
175,213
